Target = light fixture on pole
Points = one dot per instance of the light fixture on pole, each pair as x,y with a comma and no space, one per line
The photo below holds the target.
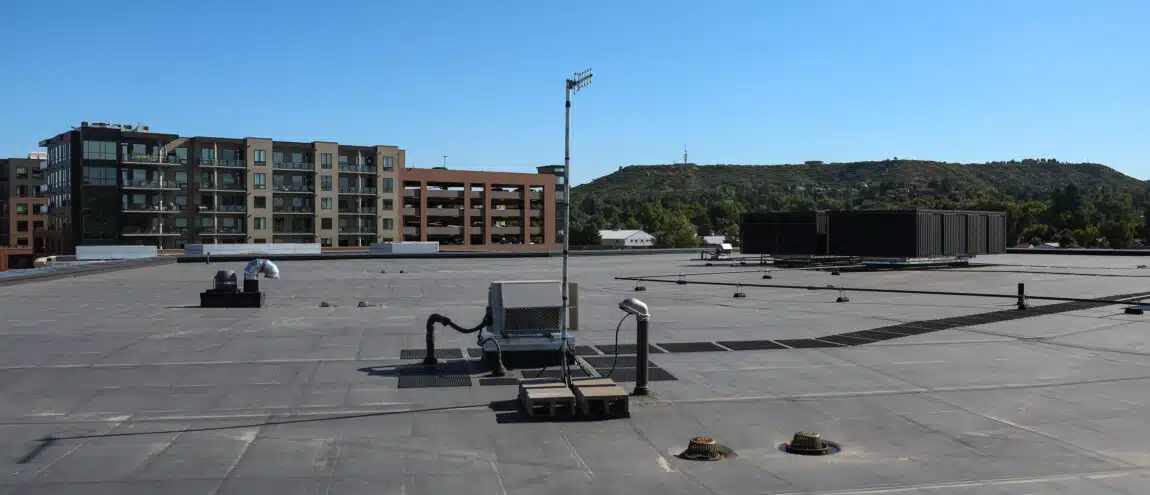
577,82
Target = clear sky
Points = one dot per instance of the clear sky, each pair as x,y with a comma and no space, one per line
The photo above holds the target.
749,82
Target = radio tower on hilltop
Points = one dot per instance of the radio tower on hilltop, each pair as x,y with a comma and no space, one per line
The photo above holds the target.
685,154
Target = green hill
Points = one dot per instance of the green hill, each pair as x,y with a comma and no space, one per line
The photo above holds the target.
1077,204
1027,178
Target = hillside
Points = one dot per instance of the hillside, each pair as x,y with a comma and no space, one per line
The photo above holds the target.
1019,179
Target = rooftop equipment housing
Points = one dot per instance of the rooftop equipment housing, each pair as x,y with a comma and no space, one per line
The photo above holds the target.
525,322
900,234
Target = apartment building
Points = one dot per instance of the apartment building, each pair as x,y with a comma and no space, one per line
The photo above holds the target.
124,184
471,210
22,204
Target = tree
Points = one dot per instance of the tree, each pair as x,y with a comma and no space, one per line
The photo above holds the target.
732,235
676,232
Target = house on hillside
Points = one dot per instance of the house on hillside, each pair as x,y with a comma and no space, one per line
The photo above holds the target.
712,240
626,238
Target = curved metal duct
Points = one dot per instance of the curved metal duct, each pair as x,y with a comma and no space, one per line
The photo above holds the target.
257,266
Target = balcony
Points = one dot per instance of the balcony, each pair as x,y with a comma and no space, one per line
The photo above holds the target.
294,209
211,163
221,209
294,165
445,212
358,230
167,185
211,186
154,231
444,194
222,231
294,188
506,212
360,211
358,169
153,208
151,159
290,231
358,190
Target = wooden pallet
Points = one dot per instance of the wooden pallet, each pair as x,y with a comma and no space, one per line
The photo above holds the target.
546,396
600,397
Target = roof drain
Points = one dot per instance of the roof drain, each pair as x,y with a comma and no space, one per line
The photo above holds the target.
809,443
705,449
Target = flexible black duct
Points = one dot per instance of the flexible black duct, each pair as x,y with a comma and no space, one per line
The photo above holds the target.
429,358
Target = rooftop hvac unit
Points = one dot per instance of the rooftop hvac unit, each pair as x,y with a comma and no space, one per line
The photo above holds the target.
529,308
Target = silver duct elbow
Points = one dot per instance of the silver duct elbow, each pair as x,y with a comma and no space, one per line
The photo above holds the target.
258,266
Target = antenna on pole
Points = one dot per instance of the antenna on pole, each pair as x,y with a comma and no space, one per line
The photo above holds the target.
573,85
684,154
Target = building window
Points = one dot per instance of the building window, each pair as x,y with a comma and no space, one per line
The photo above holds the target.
22,226
387,224
387,184
22,173
259,181
387,164
278,156
260,241
207,156
325,223
37,225
325,203
388,204
261,202
100,176
22,242
261,223
100,150
325,242
21,209
261,158
325,161
325,181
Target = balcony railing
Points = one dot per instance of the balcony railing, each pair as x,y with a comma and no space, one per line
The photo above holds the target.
222,230
153,159
296,188
154,184
291,231
357,230
358,211
154,231
363,169
224,163
235,186
294,165
152,208
223,209
293,209
357,190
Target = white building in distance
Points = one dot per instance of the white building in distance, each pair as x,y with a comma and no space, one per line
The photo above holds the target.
626,238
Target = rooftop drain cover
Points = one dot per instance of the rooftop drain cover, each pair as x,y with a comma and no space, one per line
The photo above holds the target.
809,443
704,449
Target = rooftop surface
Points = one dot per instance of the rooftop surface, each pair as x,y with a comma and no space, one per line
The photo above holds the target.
144,393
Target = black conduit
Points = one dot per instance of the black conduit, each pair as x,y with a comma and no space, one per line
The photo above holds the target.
429,358
887,291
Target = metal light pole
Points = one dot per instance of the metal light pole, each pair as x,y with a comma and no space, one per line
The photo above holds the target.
574,84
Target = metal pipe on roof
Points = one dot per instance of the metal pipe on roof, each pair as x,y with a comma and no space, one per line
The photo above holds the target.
257,266
1139,296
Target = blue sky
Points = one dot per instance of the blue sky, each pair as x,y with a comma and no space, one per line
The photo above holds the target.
749,82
